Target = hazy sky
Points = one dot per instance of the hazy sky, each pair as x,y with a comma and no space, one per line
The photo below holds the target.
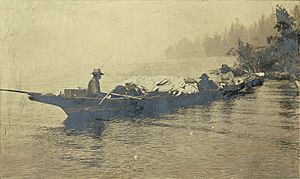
53,32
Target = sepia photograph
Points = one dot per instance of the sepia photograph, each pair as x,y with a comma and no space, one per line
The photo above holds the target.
140,89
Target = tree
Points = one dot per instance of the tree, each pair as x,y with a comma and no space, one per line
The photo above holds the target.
281,53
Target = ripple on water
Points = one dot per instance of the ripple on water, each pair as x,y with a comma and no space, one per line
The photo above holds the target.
252,136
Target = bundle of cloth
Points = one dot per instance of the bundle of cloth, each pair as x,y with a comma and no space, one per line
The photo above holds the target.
143,85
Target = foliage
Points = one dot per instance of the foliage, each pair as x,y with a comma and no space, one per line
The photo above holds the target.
282,51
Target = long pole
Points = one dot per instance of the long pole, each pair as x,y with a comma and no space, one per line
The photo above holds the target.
127,96
121,95
18,91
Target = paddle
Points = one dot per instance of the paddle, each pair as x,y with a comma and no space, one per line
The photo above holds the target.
104,98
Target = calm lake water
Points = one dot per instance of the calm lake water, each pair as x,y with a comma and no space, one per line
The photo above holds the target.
251,136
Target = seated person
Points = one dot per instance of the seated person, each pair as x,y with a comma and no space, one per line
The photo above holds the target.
226,75
205,83
93,89
224,69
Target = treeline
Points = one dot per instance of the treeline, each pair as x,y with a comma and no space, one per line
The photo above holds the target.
220,44
184,49
256,34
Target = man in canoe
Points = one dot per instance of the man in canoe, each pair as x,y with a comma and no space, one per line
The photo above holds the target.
93,89
205,83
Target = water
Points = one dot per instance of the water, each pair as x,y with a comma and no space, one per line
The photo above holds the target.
251,136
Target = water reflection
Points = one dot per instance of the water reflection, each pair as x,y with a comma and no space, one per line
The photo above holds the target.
77,144
244,137
87,126
286,96
289,106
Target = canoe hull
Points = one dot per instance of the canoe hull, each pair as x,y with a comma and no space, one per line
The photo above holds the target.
122,107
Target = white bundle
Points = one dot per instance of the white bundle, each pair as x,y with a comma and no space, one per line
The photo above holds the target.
172,84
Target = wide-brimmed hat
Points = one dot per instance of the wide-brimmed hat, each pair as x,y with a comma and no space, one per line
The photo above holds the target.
97,71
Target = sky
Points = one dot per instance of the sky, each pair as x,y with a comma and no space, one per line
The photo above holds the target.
59,32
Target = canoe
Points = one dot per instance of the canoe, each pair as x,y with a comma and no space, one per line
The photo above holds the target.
118,107
75,104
